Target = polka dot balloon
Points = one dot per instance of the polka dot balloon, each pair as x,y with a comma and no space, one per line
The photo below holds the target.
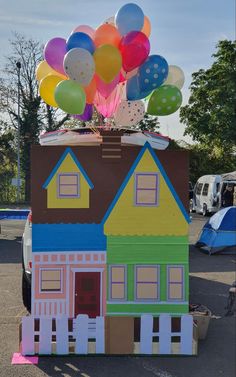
165,100
129,113
152,73
79,66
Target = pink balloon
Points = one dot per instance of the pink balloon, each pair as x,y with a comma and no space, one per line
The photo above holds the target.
108,106
135,48
106,89
85,29
54,52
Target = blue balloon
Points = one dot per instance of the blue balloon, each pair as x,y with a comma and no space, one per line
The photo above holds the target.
130,17
133,91
153,72
80,40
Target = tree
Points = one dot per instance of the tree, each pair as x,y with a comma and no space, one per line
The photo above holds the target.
34,114
210,116
149,123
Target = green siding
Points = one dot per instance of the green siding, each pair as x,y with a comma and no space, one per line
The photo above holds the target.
145,250
139,309
163,251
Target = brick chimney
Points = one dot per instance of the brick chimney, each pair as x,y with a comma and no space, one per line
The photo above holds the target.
111,145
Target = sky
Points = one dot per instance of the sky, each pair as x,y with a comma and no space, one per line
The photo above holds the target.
184,32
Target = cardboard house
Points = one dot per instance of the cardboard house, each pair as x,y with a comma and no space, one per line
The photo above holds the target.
109,233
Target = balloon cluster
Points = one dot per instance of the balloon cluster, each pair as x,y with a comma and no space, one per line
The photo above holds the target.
110,68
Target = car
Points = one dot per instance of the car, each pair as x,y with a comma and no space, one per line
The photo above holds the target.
27,263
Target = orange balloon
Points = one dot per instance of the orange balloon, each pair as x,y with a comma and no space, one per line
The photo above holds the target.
107,34
90,91
146,27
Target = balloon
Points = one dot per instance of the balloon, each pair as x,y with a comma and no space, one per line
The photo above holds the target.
108,62
165,100
80,40
79,65
70,97
135,48
128,18
107,34
107,106
175,77
43,69
106,89
87,114
129,113
54,52
90,91
86,29
110,21
146,27
153,72
133,91
47,88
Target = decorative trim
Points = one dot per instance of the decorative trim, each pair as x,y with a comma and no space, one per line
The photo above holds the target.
148,303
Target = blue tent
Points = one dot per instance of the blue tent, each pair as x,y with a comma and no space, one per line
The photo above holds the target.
219,233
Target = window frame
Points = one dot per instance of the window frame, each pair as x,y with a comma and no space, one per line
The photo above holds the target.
199,185
156,189
111,282
67,196
52,290
182,283
152,300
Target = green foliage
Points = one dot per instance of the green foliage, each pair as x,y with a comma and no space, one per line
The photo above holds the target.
148,123
210,116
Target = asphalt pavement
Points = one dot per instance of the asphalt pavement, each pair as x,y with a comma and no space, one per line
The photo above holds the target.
210,279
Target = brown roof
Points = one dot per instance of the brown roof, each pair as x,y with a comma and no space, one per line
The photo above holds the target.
106,175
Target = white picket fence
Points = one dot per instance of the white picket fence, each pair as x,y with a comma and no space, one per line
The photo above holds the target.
165,335
88,336
84,329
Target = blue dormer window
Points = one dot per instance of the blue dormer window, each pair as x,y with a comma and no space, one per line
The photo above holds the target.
68,185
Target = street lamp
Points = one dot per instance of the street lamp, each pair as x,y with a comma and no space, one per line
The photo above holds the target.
18,66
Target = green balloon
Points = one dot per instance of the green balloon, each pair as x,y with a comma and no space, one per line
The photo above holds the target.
70,97
165,100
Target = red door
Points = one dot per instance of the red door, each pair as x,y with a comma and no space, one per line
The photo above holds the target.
87,293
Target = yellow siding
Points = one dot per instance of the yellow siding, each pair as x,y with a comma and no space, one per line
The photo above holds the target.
68,166
128,219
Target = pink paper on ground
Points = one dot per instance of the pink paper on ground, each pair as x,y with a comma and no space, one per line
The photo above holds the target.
17,358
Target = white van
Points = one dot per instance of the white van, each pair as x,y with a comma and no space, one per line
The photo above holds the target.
207,194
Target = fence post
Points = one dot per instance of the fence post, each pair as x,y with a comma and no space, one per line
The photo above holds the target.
45,336
100,348
165,334
62,336
81,336
27,345
146,334
186,345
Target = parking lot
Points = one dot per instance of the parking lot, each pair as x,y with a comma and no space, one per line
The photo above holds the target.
210,279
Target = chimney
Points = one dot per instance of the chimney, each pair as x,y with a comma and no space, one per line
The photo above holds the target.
111,145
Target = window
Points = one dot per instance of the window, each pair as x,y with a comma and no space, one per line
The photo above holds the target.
147,283
117,283
68,185
205,189
199,188
175,278
51,280
146,187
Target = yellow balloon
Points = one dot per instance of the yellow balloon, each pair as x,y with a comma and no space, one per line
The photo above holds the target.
43,69
47,88
108,62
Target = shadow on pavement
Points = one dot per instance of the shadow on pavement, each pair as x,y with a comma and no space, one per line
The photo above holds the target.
10,250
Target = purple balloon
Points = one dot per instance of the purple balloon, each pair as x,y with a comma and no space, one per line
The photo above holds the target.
54,52
87,114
